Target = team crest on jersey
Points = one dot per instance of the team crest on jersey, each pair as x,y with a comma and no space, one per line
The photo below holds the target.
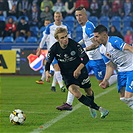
73,53
66,56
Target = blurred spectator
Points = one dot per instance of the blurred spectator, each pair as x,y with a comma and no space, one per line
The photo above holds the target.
47,13
34,17
38,2
114,32
70,7
127,9
94,8
59,7
2,27
1,13
10,28
45,3
12,7
116,7
23,28
105,9
4,7
128,38
82,3
24,7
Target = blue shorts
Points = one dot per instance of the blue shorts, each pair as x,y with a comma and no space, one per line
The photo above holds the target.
98,66
125,79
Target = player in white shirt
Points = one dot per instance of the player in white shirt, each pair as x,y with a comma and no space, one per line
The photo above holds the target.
49,32
41,81
116,52
95,63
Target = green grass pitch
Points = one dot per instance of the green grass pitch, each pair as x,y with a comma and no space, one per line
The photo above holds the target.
39,104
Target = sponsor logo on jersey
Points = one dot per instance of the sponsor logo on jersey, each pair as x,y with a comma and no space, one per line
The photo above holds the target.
85,81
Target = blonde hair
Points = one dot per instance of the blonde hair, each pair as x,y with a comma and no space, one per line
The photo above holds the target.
58,31
58,13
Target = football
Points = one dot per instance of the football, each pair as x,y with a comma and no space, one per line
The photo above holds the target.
17,117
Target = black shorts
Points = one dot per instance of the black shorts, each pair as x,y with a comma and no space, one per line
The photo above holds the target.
83,80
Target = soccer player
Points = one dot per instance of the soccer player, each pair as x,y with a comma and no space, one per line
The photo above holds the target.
115,51
41,81
95,63
49,32
72,60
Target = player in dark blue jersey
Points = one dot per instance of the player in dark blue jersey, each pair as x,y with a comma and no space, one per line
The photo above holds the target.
72,60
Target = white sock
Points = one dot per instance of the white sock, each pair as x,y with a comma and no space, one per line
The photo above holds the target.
59,78
70,98
129,102
43,75
123,99
54,80
112,80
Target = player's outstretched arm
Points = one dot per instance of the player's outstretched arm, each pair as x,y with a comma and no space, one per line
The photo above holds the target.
109,71
43,40
128,47
93,46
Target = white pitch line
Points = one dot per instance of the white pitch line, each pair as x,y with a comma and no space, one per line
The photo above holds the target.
66,113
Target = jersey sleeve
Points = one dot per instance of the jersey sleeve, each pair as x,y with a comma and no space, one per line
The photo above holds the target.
82,54
80,51
117,43
50,57
89,29
46,32
43,40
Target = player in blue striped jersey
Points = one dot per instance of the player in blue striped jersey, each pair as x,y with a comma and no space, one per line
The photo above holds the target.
116,52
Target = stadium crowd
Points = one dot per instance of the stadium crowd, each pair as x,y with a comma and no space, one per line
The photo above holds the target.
18,16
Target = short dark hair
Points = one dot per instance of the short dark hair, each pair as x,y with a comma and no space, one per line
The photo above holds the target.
80,8
100,29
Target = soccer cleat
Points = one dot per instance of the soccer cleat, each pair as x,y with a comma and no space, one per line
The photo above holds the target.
93,112
103,112
53,88
39,82
65,106
63,89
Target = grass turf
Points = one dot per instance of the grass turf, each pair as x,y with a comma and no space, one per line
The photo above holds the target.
39,104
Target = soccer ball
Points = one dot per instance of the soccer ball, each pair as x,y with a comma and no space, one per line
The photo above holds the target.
17,117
